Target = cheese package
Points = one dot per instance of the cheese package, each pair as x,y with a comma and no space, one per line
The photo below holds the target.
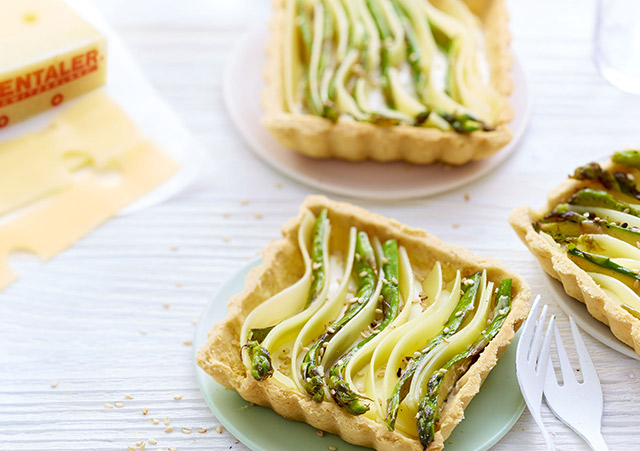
49,55
58,184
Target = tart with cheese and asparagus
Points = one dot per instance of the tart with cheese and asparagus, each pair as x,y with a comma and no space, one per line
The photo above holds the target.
588,237
414,80
366,328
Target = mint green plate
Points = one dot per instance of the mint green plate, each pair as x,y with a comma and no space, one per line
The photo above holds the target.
488,417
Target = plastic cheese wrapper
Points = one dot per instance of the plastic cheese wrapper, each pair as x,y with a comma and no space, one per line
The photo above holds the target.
130,89
116,149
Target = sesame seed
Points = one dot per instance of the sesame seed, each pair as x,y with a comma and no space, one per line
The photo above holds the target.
177,397
385,260
586,214
417,415
219,429
316,265
54,384
139,443
244,202
363,273
194,322
152,441
378,310
145,411
319,433
416,354
443,370
445,330
502,311
331,330
226,239
119,404
108,406
131,448
467,197
174,248
169,430
325,344
636,283
187,343
456,226
186,431
358,257
460,313
385,281
257,215
166,305
155,421
332,448
143,331
167,421
394,280
203,430
626,210
356,299
173,449
128,397
278,185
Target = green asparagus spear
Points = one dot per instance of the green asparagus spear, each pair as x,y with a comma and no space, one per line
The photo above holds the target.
604,265
365,270
341,392
318,274
464,307
629,158
261,367
596,198
564,226
441,381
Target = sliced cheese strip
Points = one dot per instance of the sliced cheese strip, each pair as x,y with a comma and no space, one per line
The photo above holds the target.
93,131
58,221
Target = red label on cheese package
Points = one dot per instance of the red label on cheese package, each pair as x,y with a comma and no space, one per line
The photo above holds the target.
48,77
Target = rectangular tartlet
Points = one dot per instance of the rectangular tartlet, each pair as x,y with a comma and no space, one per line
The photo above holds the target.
318,137
282,266
554,259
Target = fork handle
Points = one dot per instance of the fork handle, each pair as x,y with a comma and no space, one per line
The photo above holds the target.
547,437
596,441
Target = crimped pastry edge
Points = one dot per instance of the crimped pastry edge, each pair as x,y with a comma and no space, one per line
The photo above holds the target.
318,137
576,282
221,357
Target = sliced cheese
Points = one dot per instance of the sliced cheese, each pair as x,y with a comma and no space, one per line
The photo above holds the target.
49,55
45,206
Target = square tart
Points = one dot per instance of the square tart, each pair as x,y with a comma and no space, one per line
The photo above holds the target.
318,137
282,265
576,282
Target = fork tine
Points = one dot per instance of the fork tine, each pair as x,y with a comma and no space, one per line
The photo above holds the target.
522,355
563,358
589,373
534,352
543,360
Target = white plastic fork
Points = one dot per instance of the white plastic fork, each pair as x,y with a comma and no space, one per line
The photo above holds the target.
579,405
532,359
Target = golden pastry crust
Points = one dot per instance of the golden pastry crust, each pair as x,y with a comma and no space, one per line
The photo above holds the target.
318,137
282,266
576,282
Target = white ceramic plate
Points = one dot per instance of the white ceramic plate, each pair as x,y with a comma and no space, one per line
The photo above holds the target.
588,323
242,86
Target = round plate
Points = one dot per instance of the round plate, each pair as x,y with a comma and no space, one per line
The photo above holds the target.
588,323
488,417
242,87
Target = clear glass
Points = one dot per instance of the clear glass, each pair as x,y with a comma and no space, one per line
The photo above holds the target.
617,43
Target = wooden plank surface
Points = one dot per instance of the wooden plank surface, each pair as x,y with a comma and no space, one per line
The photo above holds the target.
109,317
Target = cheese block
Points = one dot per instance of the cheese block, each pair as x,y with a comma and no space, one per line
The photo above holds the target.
60,183
49,55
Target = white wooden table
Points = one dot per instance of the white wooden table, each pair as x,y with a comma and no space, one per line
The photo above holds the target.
108,319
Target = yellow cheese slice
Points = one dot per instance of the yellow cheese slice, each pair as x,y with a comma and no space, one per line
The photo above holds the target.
49,55
45,205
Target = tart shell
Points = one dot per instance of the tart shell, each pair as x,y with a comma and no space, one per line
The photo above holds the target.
319,137
282,266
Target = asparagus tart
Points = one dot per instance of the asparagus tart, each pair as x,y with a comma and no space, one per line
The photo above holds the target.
366,328
588,237
413,80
